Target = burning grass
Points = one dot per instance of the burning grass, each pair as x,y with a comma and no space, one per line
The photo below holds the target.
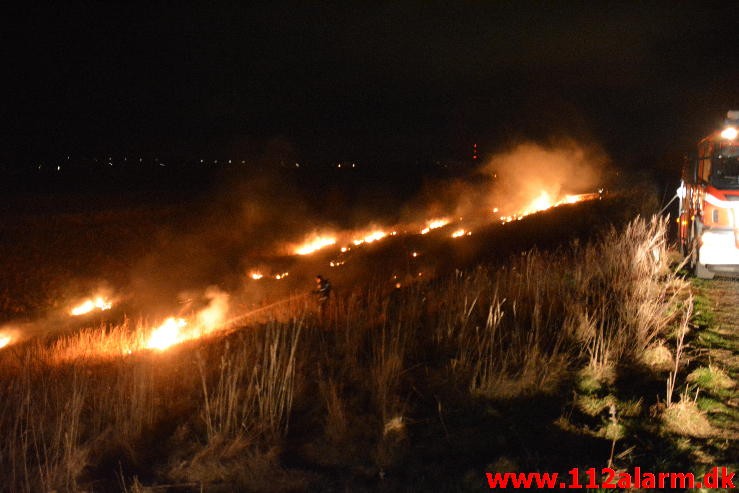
101,303
314,243
380,374
7,337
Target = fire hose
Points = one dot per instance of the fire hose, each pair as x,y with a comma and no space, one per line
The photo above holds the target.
668,204
261,309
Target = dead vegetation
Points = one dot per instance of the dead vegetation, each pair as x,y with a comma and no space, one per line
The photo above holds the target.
300,403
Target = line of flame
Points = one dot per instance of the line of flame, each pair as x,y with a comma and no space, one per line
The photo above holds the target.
99,302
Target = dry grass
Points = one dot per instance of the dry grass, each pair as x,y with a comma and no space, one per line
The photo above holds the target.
254,384
517,328
658,357
219,411
682,330
712,379
684,418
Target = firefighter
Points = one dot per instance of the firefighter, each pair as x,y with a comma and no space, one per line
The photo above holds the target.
323,292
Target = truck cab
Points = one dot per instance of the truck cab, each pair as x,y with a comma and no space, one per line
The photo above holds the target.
709,204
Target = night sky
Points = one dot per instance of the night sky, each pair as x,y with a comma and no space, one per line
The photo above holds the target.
372,80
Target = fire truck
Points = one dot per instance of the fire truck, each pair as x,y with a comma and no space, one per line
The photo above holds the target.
709,204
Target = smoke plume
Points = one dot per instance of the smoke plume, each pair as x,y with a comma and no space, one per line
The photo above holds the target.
524,172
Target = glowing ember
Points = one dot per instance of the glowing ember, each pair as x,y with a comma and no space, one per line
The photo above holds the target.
167,334
434,224
315,244
99,303
461,232
256,275
281,276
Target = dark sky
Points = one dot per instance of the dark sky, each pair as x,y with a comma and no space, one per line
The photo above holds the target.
370,79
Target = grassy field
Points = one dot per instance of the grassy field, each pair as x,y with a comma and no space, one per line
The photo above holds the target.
576,356
574,353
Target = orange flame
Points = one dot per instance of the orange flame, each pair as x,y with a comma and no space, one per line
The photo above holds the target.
573,199
461,232
370,238
167,334
5,340
314,244
9,336
257,275
176,330
99,302
542,202
434,224
545,201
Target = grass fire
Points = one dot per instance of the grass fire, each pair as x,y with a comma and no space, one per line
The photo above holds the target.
524,315
87,306
368,247
5,339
